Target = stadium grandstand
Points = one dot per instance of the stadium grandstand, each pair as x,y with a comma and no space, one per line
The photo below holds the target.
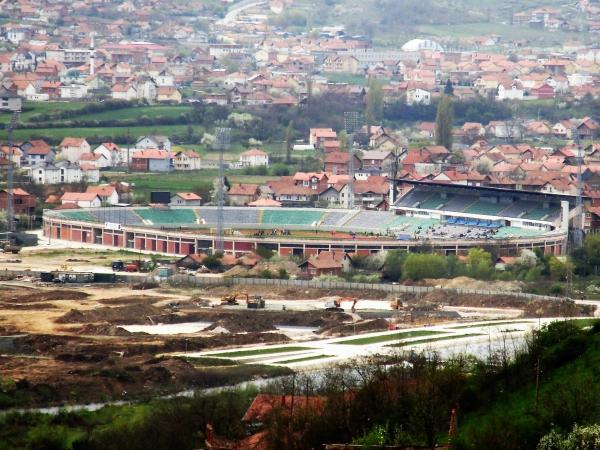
450,219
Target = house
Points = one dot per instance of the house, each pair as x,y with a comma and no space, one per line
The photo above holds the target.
504,130
253,158
152,160
326,263
563,129
108,194
36,151
377,162
342,64
23,202
587,129
71,149
426,130
545,91
187,160
125,92
9,100
372,193
242,194
81,199
265,203
336,195
58,173
92,159
288,193
185,199
510,91
111,152
317,135
418,96
73,91
168,94
339,162
149,142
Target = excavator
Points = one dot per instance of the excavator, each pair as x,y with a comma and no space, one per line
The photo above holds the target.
231,299
396,304
336,304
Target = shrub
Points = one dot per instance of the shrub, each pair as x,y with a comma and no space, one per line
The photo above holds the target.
420,266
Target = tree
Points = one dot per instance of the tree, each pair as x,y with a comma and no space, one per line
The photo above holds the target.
558,269
374,111
443,122
419,266
289,132
449,88
479,263
392,267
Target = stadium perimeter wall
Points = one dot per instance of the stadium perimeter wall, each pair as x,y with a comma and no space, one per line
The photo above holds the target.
181,241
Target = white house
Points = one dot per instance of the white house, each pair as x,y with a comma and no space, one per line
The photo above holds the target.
111,152
185,199
510,91
418,96
72,148
124,92
81,199
187,160
108,194
70,91
59,173
150,142
253,158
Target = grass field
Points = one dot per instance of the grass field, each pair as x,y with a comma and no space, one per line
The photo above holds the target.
114,133
443,338
491,324
308,358
259,352
389,337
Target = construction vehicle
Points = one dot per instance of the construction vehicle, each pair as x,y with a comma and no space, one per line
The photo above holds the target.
258,302
118,266
231,299
396,304
11,248
334,305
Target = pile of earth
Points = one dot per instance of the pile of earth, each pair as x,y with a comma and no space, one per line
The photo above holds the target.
24,295
291,293
131,299
129,314
346,329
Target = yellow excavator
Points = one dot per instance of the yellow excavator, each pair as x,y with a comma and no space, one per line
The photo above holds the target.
231,299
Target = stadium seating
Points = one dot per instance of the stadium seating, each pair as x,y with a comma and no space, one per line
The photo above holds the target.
369,220
123,216
181,217
434,201
459,203
83,216
282,217
335,218
485,208
413,198
238,216
538,213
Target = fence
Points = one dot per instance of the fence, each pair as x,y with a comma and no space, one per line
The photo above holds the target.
198,281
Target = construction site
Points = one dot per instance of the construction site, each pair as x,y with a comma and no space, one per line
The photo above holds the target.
75,340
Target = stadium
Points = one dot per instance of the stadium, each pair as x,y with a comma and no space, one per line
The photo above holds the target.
445,218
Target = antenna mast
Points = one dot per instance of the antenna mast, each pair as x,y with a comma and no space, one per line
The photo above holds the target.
223,141
10,206
350,124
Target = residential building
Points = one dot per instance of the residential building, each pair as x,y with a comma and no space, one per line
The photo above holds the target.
107,193
185,199
377,161
187,160
23,202
242,194
72,148
326,263
253,158
150,142
9,100
81,199
339,163
152,160
418,96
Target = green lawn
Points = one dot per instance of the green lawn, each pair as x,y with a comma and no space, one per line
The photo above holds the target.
389,337
443,338
135,112
116,134
32,108
259,352
334,77
586,322
490,324
308,358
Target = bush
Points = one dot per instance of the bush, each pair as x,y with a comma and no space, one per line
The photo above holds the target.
212,262
557,289
266,274
283,274
419,266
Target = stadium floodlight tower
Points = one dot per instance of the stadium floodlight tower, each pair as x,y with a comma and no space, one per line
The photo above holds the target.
222,143
14,107
580,214
350,125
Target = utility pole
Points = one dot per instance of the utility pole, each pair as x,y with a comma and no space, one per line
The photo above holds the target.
10,208
222,142
350,124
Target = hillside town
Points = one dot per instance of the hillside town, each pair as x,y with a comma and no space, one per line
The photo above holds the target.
299,224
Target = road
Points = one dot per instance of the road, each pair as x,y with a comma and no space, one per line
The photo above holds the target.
231,16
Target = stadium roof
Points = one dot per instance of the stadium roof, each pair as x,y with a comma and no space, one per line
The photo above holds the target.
446,186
